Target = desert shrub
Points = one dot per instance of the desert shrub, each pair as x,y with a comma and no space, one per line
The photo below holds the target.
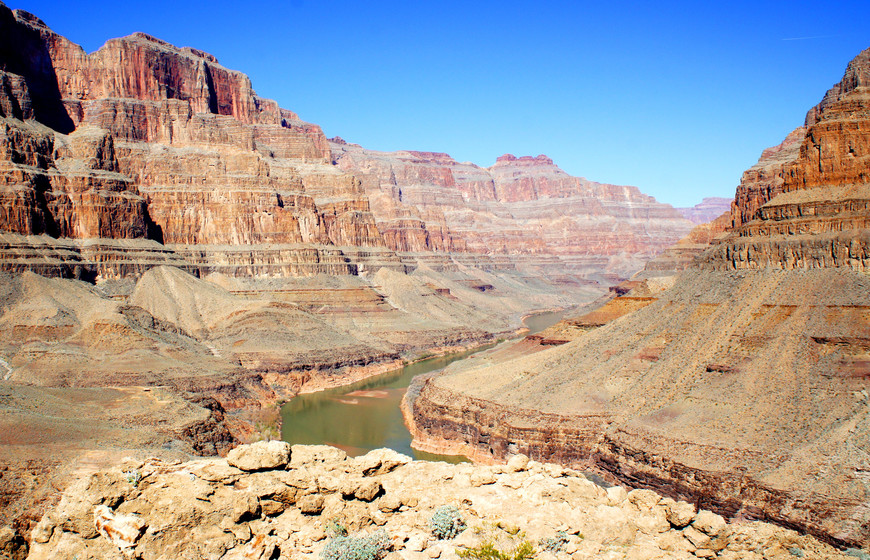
860,554
370,547
134,477
335,528
488,551
446,522
555,544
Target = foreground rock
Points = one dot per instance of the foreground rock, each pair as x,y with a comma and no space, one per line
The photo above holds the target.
210,509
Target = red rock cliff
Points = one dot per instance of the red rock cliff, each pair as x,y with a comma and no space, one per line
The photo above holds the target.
141,139
520,206
806,203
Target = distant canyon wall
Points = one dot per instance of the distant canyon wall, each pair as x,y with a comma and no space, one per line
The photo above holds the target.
141,140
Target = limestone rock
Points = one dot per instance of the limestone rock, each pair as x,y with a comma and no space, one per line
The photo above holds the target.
380,461
709,523
679,514
263,455
616,495
311,504
517,463
122,530
644,499
181,524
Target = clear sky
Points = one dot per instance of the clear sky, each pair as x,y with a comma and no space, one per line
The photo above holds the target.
677,98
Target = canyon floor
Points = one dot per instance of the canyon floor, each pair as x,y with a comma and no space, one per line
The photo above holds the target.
174,366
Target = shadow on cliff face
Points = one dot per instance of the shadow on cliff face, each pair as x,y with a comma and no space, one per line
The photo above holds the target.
35,67
153,230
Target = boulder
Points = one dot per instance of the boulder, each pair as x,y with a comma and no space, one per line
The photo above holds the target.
260,456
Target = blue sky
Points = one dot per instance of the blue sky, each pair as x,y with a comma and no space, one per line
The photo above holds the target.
677,98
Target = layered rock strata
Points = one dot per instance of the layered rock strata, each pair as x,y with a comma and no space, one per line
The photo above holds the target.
806,203
741,383
523,206
707,210
144,140
269,500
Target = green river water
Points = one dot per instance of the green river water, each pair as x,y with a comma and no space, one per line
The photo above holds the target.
364,416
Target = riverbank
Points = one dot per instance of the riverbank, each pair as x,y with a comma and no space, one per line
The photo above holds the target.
725,390
366,414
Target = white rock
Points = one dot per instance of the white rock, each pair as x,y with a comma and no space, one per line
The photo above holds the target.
616,495
121,530
517,463
679,514
709,522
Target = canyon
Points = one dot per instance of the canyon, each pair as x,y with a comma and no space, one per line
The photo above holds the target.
179,255
732,372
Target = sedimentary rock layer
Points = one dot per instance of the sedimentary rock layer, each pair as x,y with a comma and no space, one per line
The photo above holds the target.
806,203
519,206
666,391
144,140
707,210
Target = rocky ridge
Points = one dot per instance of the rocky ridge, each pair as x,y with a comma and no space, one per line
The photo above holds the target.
524,206
271,500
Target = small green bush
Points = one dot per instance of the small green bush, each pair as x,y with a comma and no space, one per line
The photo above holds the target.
446,522
371,547
555,544
335,528
488,551
134,477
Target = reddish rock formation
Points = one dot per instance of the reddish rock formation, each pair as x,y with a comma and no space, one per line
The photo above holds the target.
707,210
520,206
141,139
806,203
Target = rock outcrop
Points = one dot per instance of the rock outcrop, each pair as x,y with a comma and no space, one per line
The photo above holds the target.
734,376
212,509
525,207
707,210
806,203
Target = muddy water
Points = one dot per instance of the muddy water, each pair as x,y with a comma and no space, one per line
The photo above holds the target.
366,415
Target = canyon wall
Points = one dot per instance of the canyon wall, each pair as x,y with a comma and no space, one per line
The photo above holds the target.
707,210
525,207
141,140
806,203
734,373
